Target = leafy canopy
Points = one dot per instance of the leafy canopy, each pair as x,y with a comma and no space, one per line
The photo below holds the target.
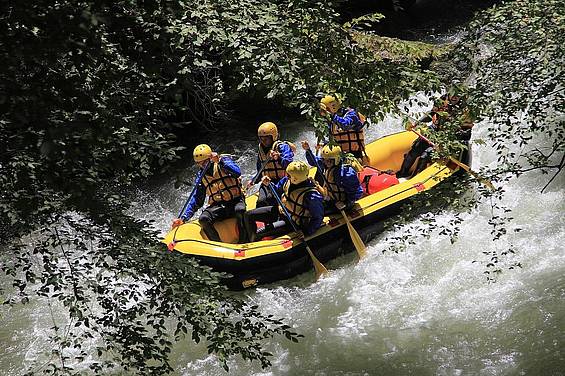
92,95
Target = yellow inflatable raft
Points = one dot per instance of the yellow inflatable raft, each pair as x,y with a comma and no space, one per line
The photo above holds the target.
285,256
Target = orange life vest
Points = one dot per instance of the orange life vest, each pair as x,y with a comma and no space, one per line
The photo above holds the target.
294,203
272,169
349,140
335,191
221,186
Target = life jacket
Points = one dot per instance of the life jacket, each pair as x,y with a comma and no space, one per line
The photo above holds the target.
273,169
294,203
334,190
373,180
349,140
220,186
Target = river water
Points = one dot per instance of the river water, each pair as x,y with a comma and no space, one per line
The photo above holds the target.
426,311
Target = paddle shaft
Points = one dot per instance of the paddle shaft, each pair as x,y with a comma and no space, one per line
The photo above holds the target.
194,189
261,169
459,163
355,238
318,266
286,213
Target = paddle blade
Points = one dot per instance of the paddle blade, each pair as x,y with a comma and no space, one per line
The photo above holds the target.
319,268
357,241
355,238
473,173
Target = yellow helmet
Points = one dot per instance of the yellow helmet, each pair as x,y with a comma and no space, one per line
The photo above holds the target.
330,103
331,152
202,152
297,172
268,129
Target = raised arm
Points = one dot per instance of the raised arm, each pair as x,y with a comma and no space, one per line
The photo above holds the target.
286,154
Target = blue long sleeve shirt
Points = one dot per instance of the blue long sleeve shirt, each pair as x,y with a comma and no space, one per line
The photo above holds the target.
197,199
286,156
349,120
345,176
313,202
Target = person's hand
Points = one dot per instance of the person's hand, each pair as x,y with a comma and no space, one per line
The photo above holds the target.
275,155
340,205
305,145
409,126
265,180
321,190
323,110
215,157
249,184
318,147
176,223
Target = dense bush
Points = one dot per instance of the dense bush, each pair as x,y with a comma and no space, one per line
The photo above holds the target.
91,95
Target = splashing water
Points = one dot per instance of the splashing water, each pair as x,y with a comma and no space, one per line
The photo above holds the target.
428,310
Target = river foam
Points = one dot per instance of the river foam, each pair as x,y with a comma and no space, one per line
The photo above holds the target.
428,310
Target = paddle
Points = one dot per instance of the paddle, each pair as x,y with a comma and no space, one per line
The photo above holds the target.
355,238
460,164
196,183
260,170
248,186
318,267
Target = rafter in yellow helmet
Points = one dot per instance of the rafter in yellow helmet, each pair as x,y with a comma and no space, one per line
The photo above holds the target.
330,103
202,152
297,172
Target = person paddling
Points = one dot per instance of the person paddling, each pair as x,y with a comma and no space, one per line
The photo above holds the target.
272,160
341,185
301,199
221,184
443,111
346,126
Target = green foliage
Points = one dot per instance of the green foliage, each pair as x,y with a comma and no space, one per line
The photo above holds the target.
88,97
123,291
511,59
364,21
514,53
291,50
91,97
401,50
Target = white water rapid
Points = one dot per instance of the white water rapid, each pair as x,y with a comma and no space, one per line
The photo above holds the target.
426,311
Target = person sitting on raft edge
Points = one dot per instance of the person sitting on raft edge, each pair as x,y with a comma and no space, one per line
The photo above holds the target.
220,182
444,109
341,186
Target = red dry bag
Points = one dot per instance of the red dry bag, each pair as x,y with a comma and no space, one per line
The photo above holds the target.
373,180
